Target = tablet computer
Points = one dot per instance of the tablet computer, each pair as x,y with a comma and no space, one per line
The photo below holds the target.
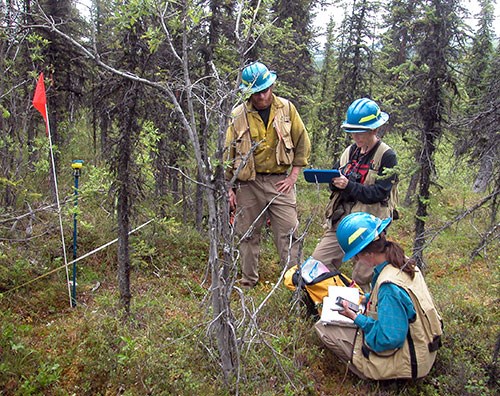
320,175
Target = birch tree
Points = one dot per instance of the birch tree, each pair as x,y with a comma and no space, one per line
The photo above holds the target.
194,105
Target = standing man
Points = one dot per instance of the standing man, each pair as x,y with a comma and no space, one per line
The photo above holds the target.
266,145
367,182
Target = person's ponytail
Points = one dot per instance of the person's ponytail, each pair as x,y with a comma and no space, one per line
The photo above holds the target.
394,254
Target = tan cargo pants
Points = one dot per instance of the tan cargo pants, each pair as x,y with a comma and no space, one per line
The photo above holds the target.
339,338
255,201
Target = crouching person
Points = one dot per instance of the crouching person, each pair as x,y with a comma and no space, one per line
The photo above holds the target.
400,331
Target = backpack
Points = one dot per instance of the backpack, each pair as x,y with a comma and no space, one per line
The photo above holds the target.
315,290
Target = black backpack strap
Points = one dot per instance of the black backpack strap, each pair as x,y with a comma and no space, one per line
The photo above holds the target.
321,278
297,279
330,274
344,280
413,356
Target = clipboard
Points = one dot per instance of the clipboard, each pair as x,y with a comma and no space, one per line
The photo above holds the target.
329,312
320,175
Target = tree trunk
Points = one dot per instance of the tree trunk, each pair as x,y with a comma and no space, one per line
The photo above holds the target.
432,130
124,219
221,290
125,176
412,185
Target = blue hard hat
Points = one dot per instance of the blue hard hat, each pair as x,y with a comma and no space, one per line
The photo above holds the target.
357,230
256,77
364,115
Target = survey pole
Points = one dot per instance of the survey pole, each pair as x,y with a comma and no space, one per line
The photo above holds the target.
77,166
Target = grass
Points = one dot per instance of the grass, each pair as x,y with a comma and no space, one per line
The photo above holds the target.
48,348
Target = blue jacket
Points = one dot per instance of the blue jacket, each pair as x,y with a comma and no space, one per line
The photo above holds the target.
395,312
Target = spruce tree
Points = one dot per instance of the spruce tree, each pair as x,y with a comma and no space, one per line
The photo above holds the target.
436,33
481,53
354,66
480,140
291,49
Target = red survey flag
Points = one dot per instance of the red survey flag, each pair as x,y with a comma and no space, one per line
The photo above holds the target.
40,100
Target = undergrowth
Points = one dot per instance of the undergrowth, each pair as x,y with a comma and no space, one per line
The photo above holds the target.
166,348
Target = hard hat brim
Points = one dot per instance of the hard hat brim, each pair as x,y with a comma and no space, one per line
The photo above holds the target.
254,89
356,128
381,227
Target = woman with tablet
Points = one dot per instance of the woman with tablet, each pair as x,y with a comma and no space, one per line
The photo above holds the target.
367,181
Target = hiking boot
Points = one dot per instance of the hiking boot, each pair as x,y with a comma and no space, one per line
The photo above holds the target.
246,284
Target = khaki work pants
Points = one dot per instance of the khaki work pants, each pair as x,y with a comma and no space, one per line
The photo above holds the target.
339,338
255,201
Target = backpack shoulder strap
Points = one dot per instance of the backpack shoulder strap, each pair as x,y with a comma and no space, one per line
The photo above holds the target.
346,154
379,153
394,196
285,109
240,120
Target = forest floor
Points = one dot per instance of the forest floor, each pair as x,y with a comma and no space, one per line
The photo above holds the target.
165,347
